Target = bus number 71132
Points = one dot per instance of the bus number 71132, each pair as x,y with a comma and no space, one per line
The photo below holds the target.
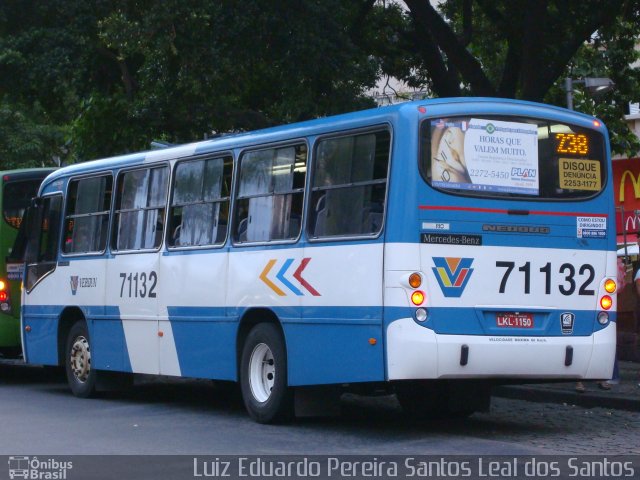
140,285
566,269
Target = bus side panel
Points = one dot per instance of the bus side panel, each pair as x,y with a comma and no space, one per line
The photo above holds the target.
333,352
41,340
131,284
192,289
332,323
108,343
339,339
205,342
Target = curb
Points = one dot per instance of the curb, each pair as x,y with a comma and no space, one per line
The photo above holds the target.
548,395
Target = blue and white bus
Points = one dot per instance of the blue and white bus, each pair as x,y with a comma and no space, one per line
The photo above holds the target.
432,248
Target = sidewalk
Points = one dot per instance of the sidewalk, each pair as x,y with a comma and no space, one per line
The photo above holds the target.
623,396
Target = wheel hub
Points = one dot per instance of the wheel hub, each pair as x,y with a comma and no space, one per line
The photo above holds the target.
80,359
262,372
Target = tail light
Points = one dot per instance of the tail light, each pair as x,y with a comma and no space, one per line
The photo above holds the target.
412,283
417,298
606,302
610,285
5,301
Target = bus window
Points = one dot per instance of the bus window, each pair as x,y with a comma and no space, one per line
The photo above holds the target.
42,248
16,198
513,157
270,194
140,206
200,204
349,185
87,215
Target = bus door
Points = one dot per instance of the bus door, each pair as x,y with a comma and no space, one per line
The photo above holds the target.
133,273
40,286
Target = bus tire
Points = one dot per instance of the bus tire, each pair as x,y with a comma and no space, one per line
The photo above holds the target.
80,376
263,376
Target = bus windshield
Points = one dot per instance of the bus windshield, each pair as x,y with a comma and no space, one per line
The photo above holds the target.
512,157
16,198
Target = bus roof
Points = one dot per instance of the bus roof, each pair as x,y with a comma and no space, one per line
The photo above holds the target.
310,127
25,173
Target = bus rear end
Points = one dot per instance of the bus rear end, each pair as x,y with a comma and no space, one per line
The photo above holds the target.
17,188
515,257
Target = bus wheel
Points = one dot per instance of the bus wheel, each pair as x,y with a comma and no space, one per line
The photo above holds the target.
80,376
263,375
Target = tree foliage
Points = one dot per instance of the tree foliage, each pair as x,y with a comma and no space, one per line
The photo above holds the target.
26,142
521,49
112,75
84,79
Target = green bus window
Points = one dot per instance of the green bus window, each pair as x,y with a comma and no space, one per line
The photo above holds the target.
15,199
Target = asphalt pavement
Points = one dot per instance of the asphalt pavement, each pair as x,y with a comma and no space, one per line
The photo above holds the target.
624,395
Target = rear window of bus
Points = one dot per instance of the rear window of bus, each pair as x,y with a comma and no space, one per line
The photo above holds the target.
16,198
512,157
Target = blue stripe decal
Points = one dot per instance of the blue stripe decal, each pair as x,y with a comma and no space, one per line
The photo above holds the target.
280,276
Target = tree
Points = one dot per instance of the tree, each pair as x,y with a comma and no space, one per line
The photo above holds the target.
611,53
507,48
26,142
116,74
520,49
84,79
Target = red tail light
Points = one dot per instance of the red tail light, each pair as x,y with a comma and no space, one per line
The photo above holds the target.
5,305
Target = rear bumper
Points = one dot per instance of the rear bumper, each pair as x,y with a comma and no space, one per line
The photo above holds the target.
415,352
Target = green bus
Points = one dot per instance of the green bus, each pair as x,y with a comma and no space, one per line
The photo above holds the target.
17,188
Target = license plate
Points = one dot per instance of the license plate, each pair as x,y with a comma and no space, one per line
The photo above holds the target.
514,320
14,271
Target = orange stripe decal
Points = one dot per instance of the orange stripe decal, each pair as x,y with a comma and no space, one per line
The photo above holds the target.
269,283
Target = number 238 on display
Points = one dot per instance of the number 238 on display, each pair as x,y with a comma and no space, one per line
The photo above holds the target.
138,284
572,277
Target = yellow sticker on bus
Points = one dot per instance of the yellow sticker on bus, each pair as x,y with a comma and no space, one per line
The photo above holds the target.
578,174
